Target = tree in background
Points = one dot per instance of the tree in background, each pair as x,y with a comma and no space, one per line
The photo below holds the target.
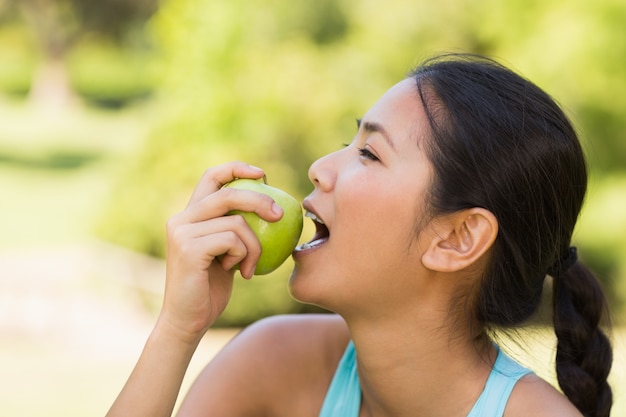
58,24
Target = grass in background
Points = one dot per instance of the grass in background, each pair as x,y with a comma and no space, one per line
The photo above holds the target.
56,167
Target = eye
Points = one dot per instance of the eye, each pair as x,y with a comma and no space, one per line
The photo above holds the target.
365,153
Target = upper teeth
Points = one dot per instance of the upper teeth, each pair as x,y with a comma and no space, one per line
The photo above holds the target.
313,217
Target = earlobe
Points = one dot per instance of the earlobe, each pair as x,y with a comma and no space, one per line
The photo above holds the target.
460,240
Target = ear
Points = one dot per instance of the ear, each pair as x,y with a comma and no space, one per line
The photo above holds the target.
460,239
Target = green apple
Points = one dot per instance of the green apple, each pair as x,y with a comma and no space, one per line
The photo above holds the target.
278,239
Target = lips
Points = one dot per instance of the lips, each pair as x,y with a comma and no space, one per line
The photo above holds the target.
321,233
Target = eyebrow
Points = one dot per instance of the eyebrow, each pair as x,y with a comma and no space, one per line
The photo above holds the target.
373,127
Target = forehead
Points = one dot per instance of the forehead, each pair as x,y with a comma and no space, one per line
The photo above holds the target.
399,110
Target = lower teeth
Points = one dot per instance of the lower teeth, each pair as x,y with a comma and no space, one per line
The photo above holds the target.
310,245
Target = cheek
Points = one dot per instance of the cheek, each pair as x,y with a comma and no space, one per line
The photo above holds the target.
378,217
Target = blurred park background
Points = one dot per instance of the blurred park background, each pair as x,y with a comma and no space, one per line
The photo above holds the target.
111,110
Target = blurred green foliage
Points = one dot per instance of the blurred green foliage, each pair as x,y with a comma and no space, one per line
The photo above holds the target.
18,60
280,84
45,43
110,76
100,72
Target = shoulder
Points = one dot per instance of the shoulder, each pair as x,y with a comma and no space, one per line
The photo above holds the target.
263,367
533,396
298,331
310,342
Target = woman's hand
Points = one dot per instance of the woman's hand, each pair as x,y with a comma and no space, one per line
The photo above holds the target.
204,245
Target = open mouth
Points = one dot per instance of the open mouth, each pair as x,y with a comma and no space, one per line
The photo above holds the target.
321,233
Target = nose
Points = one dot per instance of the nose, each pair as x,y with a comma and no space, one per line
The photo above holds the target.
323,172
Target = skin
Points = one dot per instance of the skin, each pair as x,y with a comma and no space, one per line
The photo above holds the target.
389,270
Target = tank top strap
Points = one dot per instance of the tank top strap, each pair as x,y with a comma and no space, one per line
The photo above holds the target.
500,383
343,398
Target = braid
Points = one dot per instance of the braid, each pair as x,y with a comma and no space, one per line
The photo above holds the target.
584,353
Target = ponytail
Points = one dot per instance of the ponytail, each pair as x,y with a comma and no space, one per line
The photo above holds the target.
584,353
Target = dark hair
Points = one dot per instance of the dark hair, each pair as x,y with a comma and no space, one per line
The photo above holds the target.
501,143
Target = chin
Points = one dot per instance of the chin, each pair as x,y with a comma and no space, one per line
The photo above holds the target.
297,286
305,289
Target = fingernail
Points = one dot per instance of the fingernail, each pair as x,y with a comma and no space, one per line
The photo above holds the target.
276,208
249,273
255,168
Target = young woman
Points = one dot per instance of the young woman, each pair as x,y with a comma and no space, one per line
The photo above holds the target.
438,223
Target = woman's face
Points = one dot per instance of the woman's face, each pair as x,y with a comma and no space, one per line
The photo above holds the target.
370,197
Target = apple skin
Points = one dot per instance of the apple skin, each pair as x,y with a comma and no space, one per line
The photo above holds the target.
278,239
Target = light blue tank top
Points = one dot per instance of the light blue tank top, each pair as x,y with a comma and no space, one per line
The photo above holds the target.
343,398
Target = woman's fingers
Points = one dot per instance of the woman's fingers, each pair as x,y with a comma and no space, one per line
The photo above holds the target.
229,237
197,285
215,178
228,199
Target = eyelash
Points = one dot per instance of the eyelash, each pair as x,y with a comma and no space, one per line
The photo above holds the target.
365,153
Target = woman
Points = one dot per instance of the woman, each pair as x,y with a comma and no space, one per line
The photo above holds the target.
437,224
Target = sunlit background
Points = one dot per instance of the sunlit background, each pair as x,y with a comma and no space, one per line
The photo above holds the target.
111,110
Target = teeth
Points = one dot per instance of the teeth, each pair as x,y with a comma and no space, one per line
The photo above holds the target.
313,217
310,245
317,242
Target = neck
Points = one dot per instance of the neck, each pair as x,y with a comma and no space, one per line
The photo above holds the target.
414,365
